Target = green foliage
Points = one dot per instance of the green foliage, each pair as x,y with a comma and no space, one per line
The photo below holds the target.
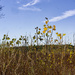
14,39
18,42
33,37
44,37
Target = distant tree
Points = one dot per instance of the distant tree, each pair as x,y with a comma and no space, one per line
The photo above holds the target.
1,14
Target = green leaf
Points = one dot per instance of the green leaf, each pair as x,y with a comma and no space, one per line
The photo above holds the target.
41,39
34,37
35,41
18,42
7,38
7,42
20,39
13,39
38,32
21,36
11,42
24,39
4,35
46,34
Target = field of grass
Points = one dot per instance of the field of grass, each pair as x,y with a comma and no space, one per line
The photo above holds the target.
37,61
47,59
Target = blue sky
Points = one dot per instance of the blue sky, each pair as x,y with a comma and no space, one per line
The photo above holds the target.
22,16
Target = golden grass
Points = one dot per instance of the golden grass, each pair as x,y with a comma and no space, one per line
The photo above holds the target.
38,60
18,61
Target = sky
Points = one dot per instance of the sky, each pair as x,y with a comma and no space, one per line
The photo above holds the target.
22,16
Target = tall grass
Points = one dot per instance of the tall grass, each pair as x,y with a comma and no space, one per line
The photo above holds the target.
14,61
46,59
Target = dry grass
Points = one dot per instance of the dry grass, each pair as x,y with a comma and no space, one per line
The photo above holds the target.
40,60
18,61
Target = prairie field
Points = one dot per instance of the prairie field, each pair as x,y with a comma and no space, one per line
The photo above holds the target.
17,57
38,60
37,37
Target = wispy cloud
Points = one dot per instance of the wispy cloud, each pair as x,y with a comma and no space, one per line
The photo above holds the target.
66,14
32,9
29,5
33,2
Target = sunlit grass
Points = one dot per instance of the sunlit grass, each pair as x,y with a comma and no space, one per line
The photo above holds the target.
47,59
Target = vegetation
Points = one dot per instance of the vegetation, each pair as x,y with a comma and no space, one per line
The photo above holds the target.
35,59
1,15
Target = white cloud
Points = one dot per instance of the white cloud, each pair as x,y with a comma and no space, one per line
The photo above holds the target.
66,14
31,3
32,9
